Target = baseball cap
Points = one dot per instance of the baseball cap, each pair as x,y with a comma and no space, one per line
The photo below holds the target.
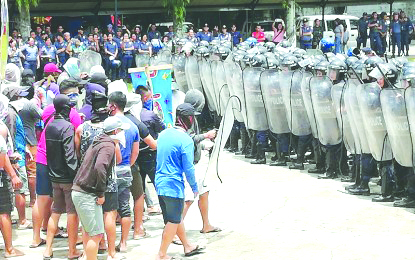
223,26
206,25
109,26
364,14
51,67
81,28
138,26
14,91
27,73
186,109
60,101
112,123
305,20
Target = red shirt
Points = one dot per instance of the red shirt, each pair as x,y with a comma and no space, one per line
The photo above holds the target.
260,36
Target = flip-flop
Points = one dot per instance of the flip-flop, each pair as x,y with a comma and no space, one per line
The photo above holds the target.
42,242
48,257
17,253
214,230
146,235
118,249
177,242
27,225
195,251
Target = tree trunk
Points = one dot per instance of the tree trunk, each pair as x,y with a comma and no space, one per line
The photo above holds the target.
23,23
291,32
178,27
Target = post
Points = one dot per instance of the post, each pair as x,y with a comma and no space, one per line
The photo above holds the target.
116,16
291,32
390,23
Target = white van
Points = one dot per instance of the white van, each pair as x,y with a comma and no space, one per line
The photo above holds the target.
351,22
266,26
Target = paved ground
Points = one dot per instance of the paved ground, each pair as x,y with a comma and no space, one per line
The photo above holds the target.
274,213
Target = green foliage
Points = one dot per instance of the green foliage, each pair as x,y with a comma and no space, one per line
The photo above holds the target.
26,4
177,8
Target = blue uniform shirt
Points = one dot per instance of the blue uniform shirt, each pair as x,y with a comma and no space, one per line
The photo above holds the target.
175,154
225,37
30,52
49,50
236,36
205,36
111,46
128,45
154,35
59,45
145,46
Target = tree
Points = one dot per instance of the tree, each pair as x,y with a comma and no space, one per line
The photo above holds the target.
23,19
177,8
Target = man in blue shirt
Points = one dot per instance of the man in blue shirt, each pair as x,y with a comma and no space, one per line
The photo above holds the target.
236,36
111,51
362,26
395,32
31,53
175,155
61,45
129,153
205,35
154,34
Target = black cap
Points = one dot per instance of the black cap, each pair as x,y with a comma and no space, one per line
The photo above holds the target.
206,25
60,102
364,14
186,109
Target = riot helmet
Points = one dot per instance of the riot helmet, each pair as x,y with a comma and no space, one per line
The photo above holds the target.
215,42
358,67
289,63
285,44
321,68
223,52
262,49
386,70
299,53
270,46
350,61
226,44
248,58
202,51
370,63
204,43
251,41
258,60
196,99
408,78
336,70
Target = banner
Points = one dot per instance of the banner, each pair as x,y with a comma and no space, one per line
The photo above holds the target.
4,44
159,79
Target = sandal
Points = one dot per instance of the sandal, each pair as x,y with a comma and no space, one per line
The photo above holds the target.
26,225
146,235
195,251
214,230
42,242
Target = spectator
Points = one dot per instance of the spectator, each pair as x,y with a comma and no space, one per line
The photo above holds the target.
384,31
317,33
61,46
236,36
306,32
259,34
48,53
170,33
395,33
205,35
59,32
278,32
31,53
153,34
225,36
339,34
15,54
75,47
407,28
137,32
111,51
127,58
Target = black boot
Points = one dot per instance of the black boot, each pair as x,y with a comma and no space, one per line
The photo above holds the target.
361,190
254,146
260,155
405,203
316,170
328,175
234,143
244,142
383,198
282,160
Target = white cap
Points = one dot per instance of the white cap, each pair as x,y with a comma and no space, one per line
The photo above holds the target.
112,123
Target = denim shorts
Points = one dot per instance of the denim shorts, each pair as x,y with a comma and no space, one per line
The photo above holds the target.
172,209
124,179
43,183
89,212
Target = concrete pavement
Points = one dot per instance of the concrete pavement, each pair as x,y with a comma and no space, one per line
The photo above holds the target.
276,213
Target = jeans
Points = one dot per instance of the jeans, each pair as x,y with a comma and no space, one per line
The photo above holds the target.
405,40
262,136
339,47
31,65
376,43
147,163
305,44
127,62
62,59
396,40
111,66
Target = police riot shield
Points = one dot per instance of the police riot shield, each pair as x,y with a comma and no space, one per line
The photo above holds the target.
306,91
327,127
238,87
208,86
192,73
179,62
368,97
397,125
271,82
142,60
187,74
222,86
256,116
410,108
216,88
236,105
337,95
210,103
293,99
88,59
355,121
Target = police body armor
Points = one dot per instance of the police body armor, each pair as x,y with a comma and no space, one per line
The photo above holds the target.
328,129
256,116
236,106
274,102
306,91
179,62
368,96
337,95
397,125
293,99
88,59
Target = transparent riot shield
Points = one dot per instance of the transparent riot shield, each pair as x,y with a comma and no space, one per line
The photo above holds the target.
236,105
305,90
89,59
273,101
179,62
257,118
337,95
397,125
350,102
213,64
368,96
222,86
293,99
238,87
142,60
410,108
327,127
208,85
192,71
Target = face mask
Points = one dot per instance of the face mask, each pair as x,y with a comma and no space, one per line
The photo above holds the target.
65,112
73,99
120,137
148,104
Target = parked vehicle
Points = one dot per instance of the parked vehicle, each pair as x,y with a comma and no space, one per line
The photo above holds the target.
266,27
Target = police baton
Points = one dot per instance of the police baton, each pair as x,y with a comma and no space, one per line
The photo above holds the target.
357,76
385,78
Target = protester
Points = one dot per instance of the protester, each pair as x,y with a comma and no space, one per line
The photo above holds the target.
259,34
279,32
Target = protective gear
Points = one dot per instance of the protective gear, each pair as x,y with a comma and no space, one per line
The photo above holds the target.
258,61
192,73
408,78
370,64
299,53
306,92
350,61
202,51
270,46
208,87
179,64
321,67
89,59
196,99
251,41
285,44
336,70
290,62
